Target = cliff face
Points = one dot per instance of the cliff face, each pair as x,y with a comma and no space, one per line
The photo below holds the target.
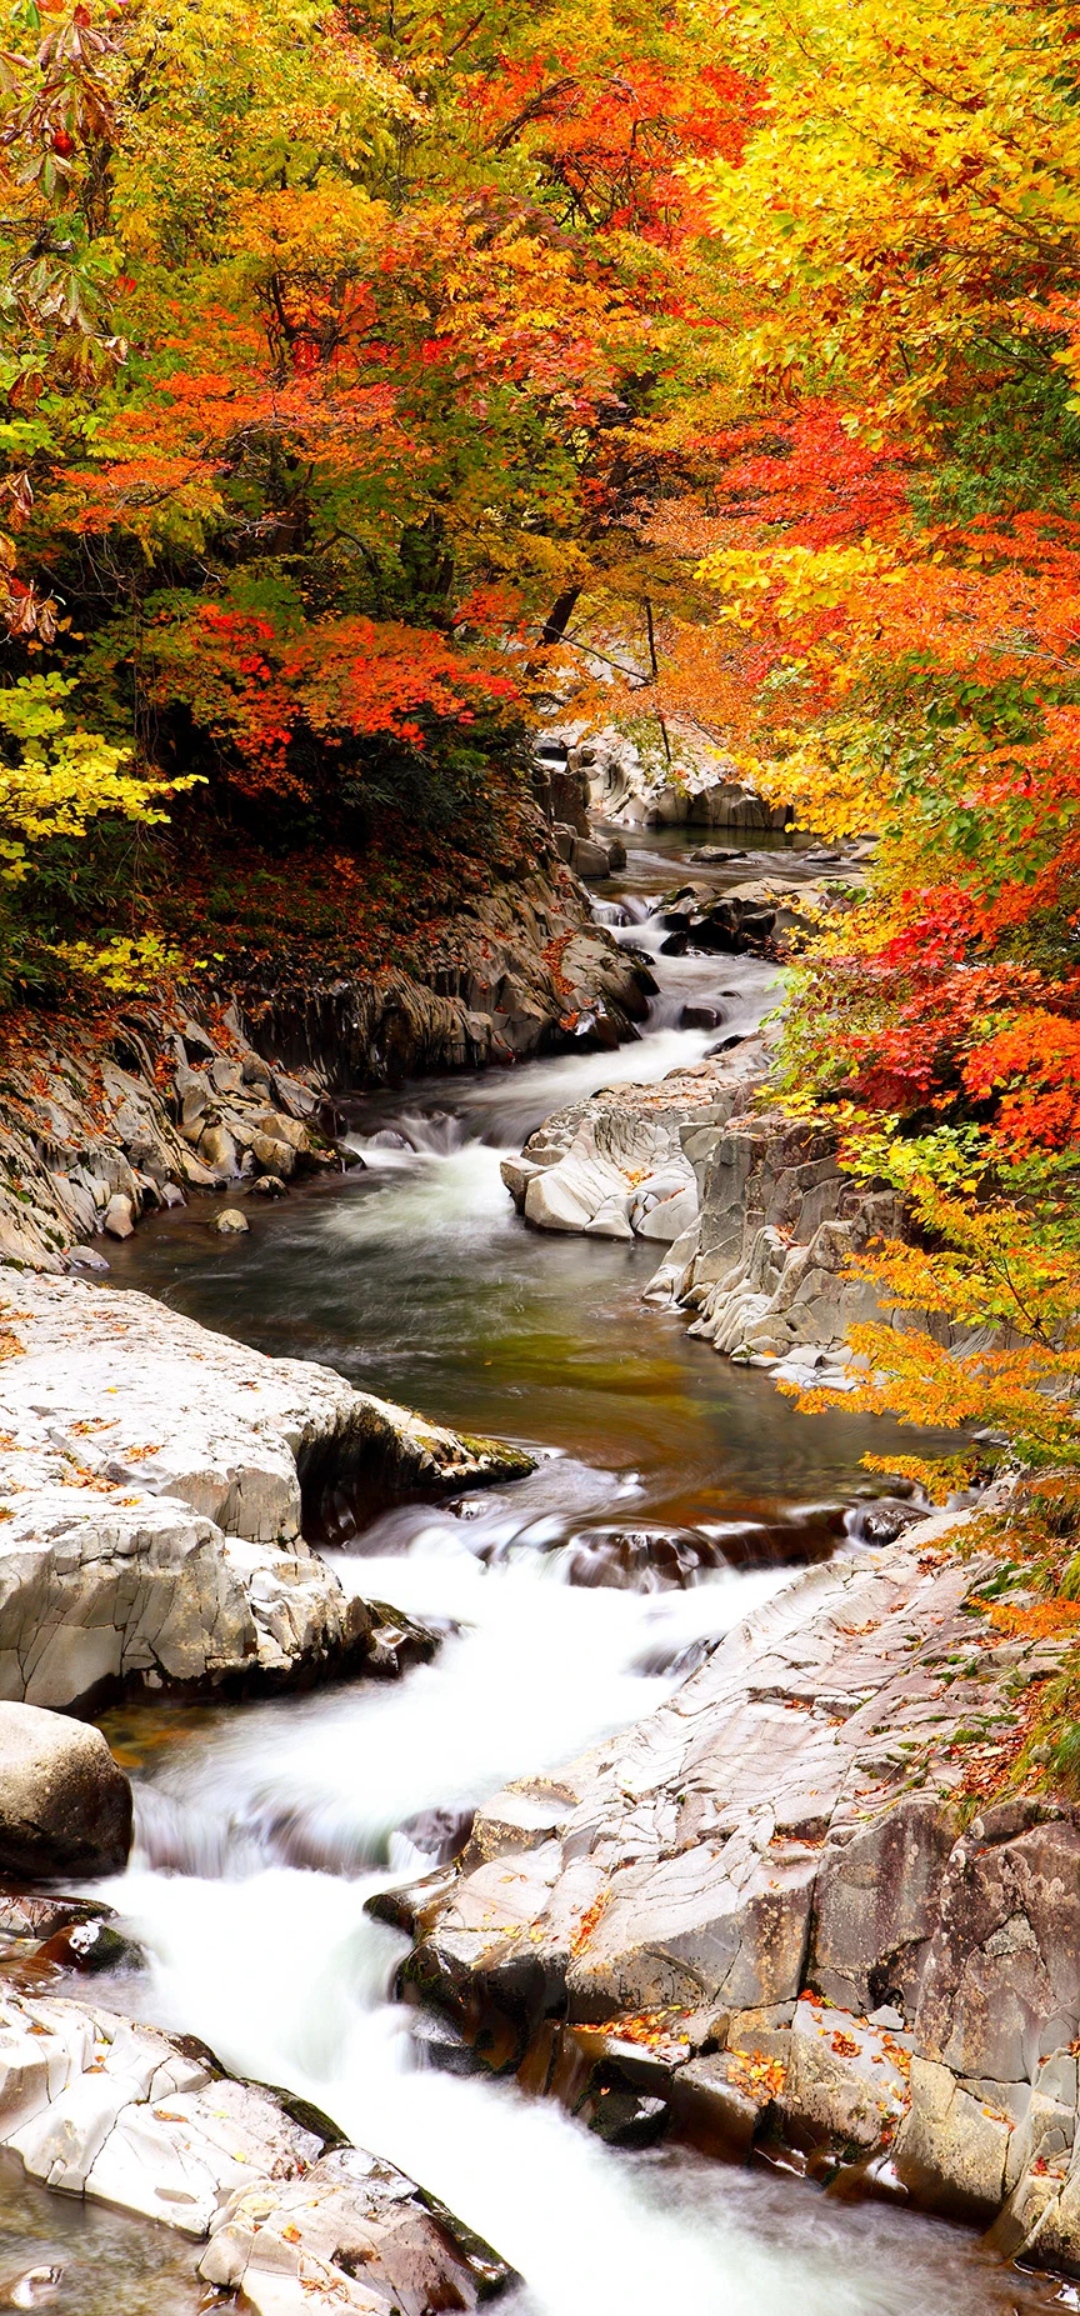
101,1120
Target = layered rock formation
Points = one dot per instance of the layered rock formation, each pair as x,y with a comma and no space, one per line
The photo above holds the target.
99,1124
296,2219
621,1164
706,794
156,1483
778,1222
758,1912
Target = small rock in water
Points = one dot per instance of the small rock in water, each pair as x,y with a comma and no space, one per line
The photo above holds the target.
269,1186
89,1947
231,1220
439,1834
119,1217
700,1017
438,2043
718,852
87,1258
30,2289
881,1522
387,1139
628,2119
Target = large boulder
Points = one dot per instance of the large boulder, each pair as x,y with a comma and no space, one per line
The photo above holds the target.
65,1806
617,1165
162,1488
298,2221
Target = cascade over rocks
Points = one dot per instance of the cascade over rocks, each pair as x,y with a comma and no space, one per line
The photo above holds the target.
758,1906
158,1480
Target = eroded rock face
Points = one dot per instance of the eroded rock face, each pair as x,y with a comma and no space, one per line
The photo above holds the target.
157,1479
778,1223
619,1164
767,1883
296,2219
65,1806
101,1124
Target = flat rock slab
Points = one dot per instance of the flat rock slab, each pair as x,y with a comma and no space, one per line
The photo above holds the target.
153,1481
296,2220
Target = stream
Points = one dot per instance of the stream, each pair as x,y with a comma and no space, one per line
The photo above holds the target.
263,1828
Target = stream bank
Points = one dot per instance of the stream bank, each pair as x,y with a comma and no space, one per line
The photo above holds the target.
108,1119
674,1495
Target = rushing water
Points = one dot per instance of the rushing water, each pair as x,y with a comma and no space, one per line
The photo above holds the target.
263,1829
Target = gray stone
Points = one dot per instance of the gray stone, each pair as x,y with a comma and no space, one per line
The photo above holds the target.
65,1806
296,2219
155,1474
953,2147
119,1217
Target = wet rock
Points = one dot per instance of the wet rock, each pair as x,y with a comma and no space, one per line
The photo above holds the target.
627,2118
439,1834
171,1553
29,1916
230,1223
90,1947
119,1217
719,2105
269,1186
65,1806
638,1560
296,2218
701,1017
439,2044
882,1521
87,1258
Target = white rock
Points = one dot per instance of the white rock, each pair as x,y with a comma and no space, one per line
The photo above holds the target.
119,1217
101,2107
230,1222
152,1475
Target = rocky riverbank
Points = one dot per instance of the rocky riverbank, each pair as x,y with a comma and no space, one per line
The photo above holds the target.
106,1119
160,1489
292,2217
777,1914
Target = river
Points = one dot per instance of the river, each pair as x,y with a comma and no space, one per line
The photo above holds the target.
264,1828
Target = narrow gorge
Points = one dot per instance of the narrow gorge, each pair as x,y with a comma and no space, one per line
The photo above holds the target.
539,1158
348,1658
